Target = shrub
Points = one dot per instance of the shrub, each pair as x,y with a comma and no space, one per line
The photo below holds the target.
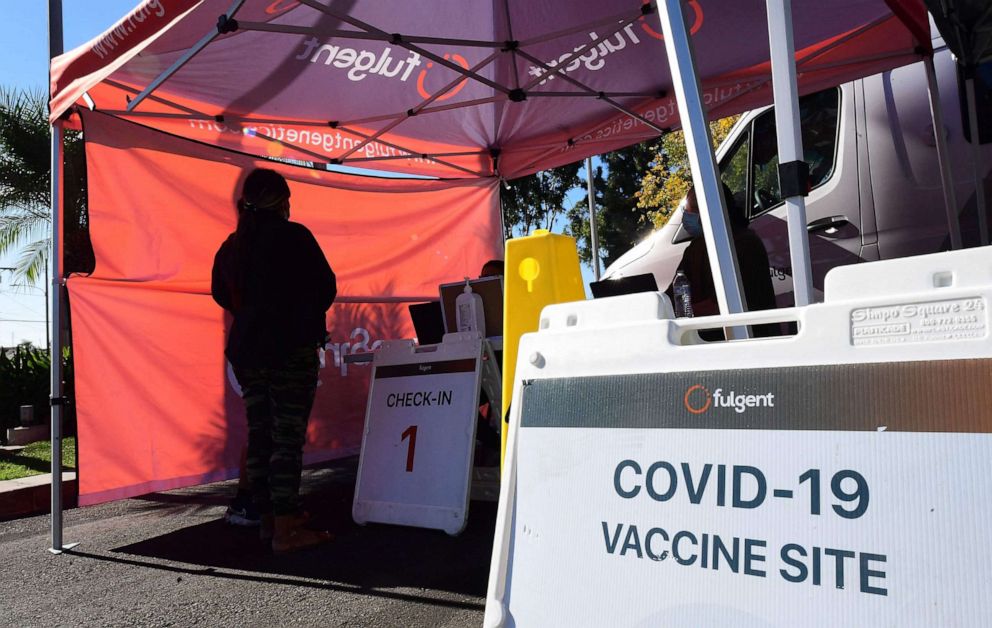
24,380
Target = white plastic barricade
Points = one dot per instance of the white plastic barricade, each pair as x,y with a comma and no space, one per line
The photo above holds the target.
842,476
416,462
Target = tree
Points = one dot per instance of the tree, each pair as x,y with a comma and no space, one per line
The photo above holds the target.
620,221
535,201
669,178
25,210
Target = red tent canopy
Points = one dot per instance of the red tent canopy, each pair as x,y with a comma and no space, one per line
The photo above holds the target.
466,88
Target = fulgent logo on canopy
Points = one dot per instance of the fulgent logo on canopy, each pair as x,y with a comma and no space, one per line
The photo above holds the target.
360,63
698,400
594,57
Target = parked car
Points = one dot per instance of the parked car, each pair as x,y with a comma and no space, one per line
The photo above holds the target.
876,187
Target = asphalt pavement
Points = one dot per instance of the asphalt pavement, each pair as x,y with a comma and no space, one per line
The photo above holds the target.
168,559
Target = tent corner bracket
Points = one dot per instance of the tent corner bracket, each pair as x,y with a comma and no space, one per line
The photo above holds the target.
793,178
226,24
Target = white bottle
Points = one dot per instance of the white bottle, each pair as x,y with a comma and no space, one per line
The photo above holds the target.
468,311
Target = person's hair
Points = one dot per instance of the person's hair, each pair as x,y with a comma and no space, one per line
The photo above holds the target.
491,268
263,192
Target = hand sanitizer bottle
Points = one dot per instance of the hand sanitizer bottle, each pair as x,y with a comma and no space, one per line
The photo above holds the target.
468,311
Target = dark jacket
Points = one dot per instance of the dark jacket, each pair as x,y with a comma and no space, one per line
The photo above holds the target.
282,301
752,260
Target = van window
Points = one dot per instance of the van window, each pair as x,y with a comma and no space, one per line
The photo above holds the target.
733,172
818,114
983,102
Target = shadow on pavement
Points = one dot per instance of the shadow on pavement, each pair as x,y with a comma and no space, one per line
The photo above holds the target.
362,560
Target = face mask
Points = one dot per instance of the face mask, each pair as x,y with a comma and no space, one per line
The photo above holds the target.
693,224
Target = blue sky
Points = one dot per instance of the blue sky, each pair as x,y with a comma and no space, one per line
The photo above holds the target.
24,31
24,64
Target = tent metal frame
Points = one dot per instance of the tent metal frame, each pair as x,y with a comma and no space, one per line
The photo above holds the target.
790,143
56,287
943,155
688,95
983,220
619,22
967,31
593,227
702,162
365,31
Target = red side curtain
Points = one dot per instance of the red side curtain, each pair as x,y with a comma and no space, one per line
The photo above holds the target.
155,407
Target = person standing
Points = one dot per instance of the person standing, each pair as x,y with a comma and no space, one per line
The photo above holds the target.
272,276
752,261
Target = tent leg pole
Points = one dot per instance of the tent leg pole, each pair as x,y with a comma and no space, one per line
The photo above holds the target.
705,176
790,139
943,158
593,228
54,293
983,221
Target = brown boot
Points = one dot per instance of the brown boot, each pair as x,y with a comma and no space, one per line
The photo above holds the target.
267,528
291,535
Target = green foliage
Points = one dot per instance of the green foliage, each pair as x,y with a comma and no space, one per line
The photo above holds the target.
25,166
620,221
24,373
25,380
637,189
535,201
668,179
36,459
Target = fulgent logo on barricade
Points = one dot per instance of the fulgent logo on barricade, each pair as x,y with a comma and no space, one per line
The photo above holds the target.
692,399
698,400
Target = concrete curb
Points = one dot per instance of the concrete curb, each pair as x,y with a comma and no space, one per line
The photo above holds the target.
33,495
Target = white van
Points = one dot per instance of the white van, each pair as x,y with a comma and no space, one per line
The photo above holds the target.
873,166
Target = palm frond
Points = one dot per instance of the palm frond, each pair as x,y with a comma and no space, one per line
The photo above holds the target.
24,149
25,166
20,229
31,265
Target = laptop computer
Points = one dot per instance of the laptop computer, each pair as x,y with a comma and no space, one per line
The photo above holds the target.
491,291
428,322
623,285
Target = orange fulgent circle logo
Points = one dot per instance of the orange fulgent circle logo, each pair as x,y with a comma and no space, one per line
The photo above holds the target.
692,401
422,89
697,21
281,5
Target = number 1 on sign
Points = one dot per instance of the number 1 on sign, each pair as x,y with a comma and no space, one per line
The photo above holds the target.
412,447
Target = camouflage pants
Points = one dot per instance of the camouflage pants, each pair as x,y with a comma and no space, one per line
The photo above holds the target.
278,402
